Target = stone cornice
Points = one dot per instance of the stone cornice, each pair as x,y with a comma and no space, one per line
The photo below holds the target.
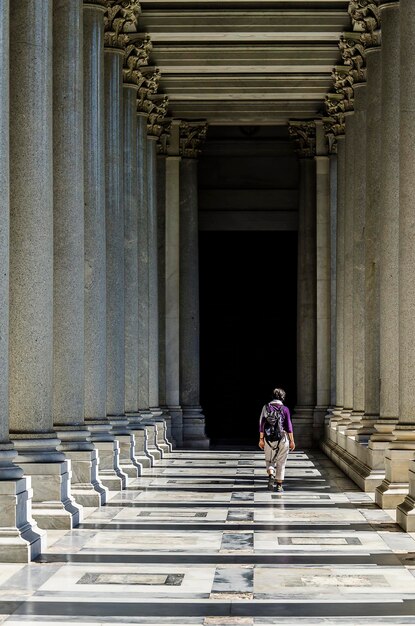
192,135
121,18
304,134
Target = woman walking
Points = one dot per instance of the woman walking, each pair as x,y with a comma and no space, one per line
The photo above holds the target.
276,438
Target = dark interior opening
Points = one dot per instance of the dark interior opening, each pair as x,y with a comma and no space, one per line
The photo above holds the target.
248,304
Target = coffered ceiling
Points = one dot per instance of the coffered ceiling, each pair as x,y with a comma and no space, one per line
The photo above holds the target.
248,62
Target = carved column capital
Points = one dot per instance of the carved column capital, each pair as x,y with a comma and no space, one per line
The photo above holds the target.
192,135
304,134
334,127
137,55
365,16
148,85
121,18
157,115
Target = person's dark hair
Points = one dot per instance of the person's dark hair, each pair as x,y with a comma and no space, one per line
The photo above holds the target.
279,394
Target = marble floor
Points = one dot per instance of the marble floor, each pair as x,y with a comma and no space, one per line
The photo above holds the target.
199,539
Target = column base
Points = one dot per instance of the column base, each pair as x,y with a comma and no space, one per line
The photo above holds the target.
142,455
109,471
356,466
395,487
319,416
128,463
303,426
53,505
194,428
161,433
168,435
85,484
152,446
176,424
405,512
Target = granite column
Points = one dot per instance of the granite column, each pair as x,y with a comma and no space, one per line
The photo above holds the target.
68,243
306,304
194,435
173,296
323,278
95,248
405,428
20,541
31,265
114,226
395,485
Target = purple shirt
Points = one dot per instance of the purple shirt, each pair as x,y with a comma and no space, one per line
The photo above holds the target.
286,422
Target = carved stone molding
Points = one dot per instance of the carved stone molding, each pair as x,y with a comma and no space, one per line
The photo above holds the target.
121,18
352,50
136,56
304,134
192,135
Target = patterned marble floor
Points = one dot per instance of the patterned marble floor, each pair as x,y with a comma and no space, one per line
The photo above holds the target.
199,540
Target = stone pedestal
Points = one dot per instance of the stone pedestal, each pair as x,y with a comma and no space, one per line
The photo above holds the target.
306,306
194,435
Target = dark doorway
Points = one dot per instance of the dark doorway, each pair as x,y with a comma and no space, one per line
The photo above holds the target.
248,294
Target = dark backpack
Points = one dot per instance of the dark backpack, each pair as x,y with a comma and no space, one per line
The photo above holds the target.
274,418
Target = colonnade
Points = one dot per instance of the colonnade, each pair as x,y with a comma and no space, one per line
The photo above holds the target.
369,203
98,288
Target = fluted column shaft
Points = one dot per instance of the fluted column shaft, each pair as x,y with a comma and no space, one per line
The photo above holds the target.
193,419
306,304
114,218
130,191
143,271
173,295
153,335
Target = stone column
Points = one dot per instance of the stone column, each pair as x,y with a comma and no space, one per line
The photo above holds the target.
333,269
95,247
358,197
68,266
114,221
153,333
161,265
194,435
348,272
373,181
173,296
31,265
341,192
306,305
393,489
20,540
323,268
405,429
143,271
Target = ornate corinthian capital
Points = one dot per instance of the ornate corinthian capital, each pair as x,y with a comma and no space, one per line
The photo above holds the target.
192,134
334,127
149,84
365,15
121,18
136,55
353,53
304,134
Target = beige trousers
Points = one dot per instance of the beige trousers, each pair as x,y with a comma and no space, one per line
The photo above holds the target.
276,454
